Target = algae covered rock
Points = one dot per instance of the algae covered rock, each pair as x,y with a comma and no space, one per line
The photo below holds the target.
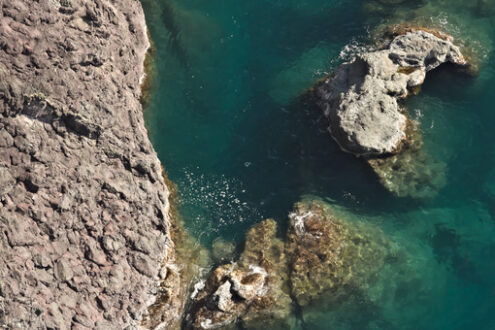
323,261
413,172
330,258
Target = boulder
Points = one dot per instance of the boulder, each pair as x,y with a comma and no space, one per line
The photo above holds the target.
361,100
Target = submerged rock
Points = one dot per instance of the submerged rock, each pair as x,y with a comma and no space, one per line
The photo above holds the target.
361,100
329,258
323,259
222,250
412,172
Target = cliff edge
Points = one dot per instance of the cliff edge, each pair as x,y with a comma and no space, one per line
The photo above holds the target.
84,211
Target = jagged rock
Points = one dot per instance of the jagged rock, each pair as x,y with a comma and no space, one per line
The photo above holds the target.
250,291
361,98
78,174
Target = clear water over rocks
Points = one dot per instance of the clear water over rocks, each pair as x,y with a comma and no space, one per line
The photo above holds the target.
230,123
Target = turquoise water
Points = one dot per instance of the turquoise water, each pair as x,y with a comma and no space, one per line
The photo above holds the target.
227,122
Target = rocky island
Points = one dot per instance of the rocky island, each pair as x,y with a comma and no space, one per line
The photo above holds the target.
362,101
84,211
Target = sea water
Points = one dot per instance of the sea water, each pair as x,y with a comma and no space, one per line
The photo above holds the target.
229,124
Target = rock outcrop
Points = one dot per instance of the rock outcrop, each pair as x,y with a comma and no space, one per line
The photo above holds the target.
324,260
84,211
251,292
361,99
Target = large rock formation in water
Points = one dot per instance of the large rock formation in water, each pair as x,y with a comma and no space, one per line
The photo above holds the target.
84,211
323,260
361,100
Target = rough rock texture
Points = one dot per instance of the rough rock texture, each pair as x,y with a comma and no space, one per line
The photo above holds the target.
323,260
84,225
361,98
250,292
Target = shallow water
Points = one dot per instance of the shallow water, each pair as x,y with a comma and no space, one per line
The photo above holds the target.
228,124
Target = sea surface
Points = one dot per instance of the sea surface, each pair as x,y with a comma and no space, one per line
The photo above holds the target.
233,132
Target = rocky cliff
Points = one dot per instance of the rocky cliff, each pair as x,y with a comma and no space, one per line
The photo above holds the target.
84,211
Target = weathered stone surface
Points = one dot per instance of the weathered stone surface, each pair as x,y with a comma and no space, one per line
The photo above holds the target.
360,97
361,101
84,211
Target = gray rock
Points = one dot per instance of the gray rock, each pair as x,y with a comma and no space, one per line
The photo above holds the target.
360,97
361,101
74,154
63,271
7,181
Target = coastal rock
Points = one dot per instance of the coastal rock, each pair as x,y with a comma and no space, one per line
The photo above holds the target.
361,99
84,210
323,260
250,291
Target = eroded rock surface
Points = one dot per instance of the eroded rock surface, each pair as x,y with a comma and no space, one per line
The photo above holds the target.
84,225
361,99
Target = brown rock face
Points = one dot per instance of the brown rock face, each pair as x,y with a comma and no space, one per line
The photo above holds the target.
84,224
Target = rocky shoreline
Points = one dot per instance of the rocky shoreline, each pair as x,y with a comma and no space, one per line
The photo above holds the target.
86,226
84,210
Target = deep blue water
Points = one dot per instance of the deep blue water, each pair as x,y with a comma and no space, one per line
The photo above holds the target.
230,127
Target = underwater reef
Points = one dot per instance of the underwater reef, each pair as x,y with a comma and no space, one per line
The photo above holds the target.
321,260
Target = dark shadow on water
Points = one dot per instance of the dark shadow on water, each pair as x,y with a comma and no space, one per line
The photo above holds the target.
447,246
